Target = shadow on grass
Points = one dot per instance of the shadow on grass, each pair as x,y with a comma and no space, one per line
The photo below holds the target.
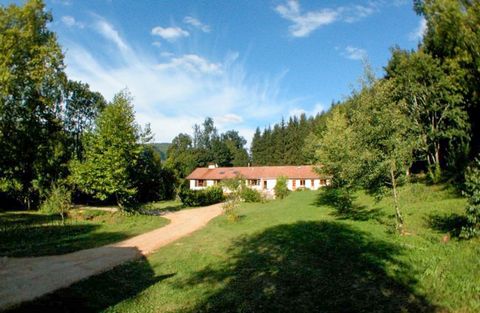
31,235
447,223
344,206
98,292
8,219
311,267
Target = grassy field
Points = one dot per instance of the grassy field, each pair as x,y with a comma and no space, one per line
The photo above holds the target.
34,234
293,255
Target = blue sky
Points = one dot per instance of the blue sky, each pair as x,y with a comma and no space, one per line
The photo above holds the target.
244,63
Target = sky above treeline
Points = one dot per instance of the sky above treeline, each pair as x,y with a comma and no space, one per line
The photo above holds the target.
244,63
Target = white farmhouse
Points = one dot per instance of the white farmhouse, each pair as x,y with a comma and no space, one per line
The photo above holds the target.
261,178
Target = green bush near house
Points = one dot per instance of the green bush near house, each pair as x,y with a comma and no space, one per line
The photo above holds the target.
210,195
251,195
281,188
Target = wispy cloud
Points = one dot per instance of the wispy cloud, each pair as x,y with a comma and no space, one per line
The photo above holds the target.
191,63
354,53
419,32
110,33
304,23
174,91
70,21
170,33
196,23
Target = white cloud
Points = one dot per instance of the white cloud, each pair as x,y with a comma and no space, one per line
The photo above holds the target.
196,23
305,23
168,96
228,118
170,33
191,63
70,21
354,53
419,32
157,44
109,32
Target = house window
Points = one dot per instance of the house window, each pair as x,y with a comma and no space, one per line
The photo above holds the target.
264,184
254,182
312,183
200,183
302,182
323,182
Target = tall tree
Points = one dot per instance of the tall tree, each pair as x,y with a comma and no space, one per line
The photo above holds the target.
81,108
452,37
112,152
236,146
31,83
386,143
434,102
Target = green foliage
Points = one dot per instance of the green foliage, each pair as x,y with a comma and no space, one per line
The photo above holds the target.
250,195
82,107
281,188
337,152
433,100
371,148
31,83
59,201
207,196
338,198
472,191
285,143
112,153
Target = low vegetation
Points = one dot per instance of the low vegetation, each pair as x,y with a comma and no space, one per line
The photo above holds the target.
298,255
36,234
207,196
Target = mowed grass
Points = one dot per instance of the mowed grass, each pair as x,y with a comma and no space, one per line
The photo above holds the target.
35,234
293,255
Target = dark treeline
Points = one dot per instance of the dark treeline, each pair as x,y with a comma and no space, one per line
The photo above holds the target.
57,134
206,146
285,143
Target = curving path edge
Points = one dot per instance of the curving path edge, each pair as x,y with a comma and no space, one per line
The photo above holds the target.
24,279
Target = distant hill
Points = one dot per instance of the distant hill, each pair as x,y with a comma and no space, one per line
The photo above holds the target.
161,148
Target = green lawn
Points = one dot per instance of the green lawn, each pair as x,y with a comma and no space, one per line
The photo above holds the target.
34,234
160,207
295,256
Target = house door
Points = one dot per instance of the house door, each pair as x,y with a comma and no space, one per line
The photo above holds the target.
294,184
264,184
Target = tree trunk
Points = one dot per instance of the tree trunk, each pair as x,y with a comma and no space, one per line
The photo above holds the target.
398,214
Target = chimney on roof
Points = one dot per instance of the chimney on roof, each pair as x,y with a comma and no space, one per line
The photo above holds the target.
212,165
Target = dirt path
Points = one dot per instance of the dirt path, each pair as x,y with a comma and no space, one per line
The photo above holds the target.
24,279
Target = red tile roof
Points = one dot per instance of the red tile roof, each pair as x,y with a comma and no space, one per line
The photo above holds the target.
255,172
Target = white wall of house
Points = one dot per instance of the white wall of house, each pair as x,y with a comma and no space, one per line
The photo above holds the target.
317,183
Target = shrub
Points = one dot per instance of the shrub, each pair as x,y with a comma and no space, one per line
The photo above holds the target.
281,188
250,195
203,197
338,198
472,191
58,201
